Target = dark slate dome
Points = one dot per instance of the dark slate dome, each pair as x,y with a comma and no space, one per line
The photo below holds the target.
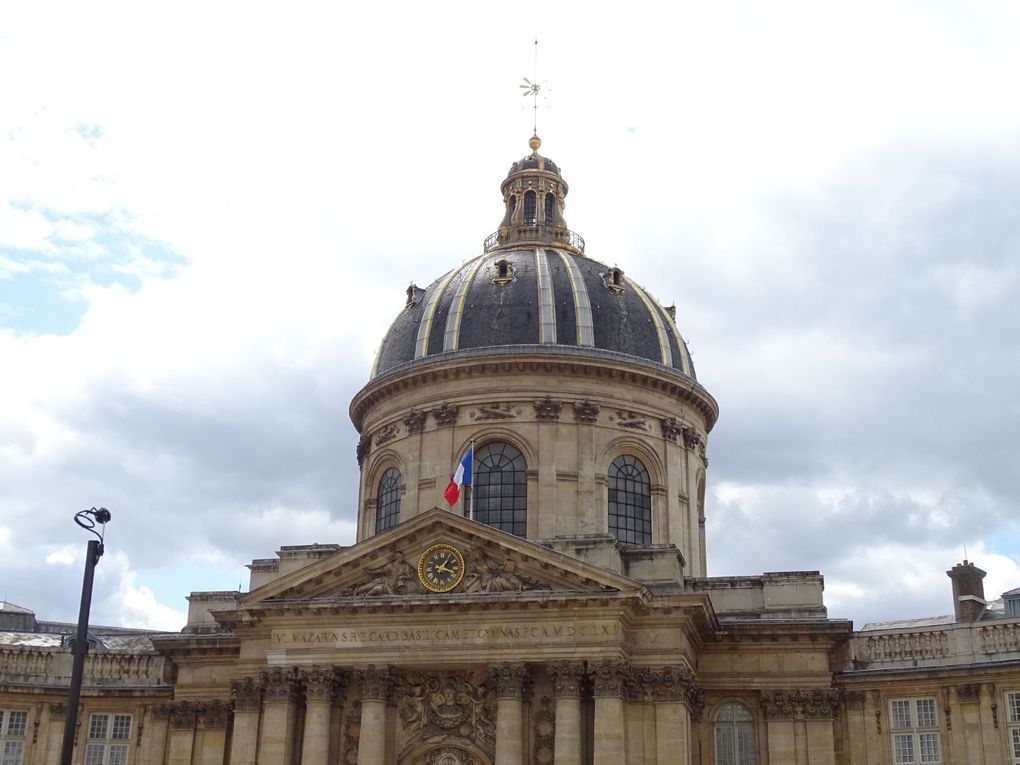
534,291
528,300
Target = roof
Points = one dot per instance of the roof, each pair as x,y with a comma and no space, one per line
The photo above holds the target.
534,299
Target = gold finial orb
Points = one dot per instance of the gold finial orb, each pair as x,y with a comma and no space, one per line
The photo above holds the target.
534,142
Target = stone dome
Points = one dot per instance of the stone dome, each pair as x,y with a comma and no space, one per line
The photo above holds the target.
535,299
533,290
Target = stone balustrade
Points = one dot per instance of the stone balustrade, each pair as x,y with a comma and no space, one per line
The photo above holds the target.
42,666
944,645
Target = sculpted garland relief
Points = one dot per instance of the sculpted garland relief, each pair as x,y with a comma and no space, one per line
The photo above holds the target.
434,707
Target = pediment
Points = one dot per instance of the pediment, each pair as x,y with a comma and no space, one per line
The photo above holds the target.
386,566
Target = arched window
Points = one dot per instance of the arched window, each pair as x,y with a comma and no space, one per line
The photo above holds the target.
387,506
530,207
501,488
630,501
550,209
734,736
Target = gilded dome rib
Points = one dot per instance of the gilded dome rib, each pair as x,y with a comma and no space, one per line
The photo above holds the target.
546,300
582,306
421,347
453,318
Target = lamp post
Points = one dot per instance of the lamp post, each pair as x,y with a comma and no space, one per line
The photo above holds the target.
87,519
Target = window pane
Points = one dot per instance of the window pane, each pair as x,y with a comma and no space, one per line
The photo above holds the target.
98,725
745,745
1013,701
12,752
724,746
630,501
926,713
900,714
94,754
118,755
929,745
387,509
903,749
16,722
501,483
1016,741
121,726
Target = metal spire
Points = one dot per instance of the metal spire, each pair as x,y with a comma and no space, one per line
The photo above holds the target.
533,88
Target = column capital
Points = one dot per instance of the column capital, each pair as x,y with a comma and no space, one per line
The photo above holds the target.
281,684
247,693
324,683
183,715
800,704
610,677
567,678
510,679
376,683
213,715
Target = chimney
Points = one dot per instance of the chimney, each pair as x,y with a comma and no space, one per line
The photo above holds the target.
968,591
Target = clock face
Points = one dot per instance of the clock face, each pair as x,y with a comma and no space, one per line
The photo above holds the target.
441,568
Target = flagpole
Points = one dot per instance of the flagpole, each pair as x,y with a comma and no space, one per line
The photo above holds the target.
471,507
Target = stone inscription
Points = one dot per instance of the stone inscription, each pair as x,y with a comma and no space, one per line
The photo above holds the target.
519,633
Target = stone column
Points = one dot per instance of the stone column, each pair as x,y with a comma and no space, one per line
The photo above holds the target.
638,701
375,689
856,726
212,725
609,680
800,725
322,687
244,741
675,688
183,715
510,682
55,732
281,694
567,679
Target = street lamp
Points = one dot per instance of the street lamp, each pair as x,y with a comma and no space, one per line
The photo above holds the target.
88,520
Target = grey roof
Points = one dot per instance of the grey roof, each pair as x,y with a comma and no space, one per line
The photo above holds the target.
552,299
10,608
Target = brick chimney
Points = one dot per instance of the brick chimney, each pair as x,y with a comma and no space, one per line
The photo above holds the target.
968,591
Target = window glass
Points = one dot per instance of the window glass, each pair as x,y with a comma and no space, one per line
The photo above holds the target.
734,736
630,501
501,488
530,207
916,739
387,507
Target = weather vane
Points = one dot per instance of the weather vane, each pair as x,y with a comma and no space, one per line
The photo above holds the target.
533,88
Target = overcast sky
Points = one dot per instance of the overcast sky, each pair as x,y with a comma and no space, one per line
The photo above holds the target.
209,213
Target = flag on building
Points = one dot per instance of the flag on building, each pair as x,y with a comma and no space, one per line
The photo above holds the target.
461,477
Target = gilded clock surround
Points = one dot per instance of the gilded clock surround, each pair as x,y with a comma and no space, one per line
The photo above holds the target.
435,571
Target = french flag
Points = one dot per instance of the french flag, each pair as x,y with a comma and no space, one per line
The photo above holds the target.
462,476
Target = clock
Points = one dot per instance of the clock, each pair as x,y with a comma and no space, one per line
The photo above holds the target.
441,568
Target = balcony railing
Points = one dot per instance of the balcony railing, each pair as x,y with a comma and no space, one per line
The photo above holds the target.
535,234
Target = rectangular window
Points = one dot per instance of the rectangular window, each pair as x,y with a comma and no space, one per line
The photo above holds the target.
108,739
13,723
915,725
1013,725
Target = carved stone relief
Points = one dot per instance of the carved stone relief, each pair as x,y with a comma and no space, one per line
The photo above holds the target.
247,694
393,576
324,684
610,678
671,428
376,683
387,434
586,411
363,448
567,678
544,727
510,679
445,414
434,707
415,421
352,735
183,715
214,715
494,412
548,408
630,420
814,703
281,684
491,575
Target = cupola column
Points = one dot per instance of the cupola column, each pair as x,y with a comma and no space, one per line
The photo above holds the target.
511,682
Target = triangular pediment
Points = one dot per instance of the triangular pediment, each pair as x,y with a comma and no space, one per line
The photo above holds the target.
386,566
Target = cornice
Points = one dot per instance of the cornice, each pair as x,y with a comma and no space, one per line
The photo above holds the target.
512,360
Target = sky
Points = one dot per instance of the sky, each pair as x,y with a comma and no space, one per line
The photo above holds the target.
209,214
